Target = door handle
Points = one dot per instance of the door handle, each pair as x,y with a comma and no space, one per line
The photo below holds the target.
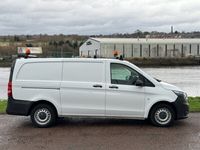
97,86
113,87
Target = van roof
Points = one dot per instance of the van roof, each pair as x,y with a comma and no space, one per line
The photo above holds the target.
67,59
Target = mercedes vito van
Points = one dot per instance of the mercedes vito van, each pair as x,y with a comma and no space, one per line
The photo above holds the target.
47,89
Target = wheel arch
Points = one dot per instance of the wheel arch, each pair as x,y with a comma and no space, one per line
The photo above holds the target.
42,102
162,102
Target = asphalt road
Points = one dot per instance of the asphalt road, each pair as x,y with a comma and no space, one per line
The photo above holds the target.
17,133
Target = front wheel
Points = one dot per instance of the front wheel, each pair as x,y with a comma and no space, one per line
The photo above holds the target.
43,115
162,115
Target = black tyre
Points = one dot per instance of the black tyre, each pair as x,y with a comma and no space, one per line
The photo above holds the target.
43,116
162,115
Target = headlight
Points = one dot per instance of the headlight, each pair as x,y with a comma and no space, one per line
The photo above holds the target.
180,93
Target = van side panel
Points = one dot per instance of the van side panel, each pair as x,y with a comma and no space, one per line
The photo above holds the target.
83,88
155,95
34,81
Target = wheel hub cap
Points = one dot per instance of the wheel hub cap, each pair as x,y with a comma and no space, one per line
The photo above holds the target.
163,116
42,116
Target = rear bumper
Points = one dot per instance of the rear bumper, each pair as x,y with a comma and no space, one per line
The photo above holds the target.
182,107
18,107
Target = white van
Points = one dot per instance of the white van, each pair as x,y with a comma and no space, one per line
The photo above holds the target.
58,87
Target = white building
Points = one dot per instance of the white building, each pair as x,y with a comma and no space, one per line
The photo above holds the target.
133,47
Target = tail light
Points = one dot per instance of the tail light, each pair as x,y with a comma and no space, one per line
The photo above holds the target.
9,89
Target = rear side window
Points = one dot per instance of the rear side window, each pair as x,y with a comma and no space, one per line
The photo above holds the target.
40,71
83,71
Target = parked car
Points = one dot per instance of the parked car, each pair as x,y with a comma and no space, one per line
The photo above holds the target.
48,88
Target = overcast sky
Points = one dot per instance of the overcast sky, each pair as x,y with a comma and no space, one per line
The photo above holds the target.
97,16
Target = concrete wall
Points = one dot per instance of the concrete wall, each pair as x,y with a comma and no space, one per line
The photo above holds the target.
154,51
162,50
145,50
136,50
107,50
194,48
128,50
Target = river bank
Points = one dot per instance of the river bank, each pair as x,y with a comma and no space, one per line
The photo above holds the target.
5,63
160,62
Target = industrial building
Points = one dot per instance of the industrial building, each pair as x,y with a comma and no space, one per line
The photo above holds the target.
140,48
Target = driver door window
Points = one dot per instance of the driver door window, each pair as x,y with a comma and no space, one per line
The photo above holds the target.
121,74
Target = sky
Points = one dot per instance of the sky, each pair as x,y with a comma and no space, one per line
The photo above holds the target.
88,17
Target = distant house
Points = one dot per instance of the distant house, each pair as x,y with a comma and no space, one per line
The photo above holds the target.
134,48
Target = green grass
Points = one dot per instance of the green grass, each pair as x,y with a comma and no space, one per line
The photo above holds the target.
3,104
194,105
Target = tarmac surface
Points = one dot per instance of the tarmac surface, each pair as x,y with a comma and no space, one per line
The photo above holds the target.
17,133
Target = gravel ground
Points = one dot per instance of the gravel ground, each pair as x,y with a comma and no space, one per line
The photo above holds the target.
17,133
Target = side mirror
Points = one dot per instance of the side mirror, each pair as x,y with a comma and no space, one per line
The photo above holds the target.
139,83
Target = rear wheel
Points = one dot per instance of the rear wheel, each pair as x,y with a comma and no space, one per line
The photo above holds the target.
162,115
43,115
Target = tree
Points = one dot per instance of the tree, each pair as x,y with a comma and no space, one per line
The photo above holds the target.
55,43
70,44
146,33
28,36
176,32
75,44
81,43
29,45
50,43
60,43
138,33
16,38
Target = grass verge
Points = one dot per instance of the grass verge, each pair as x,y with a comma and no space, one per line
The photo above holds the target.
193,101
3,104
194,104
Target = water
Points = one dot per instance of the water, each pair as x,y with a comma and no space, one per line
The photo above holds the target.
4,76
187,78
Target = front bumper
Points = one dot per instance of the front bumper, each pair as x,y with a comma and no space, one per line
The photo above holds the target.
18,107
182,107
